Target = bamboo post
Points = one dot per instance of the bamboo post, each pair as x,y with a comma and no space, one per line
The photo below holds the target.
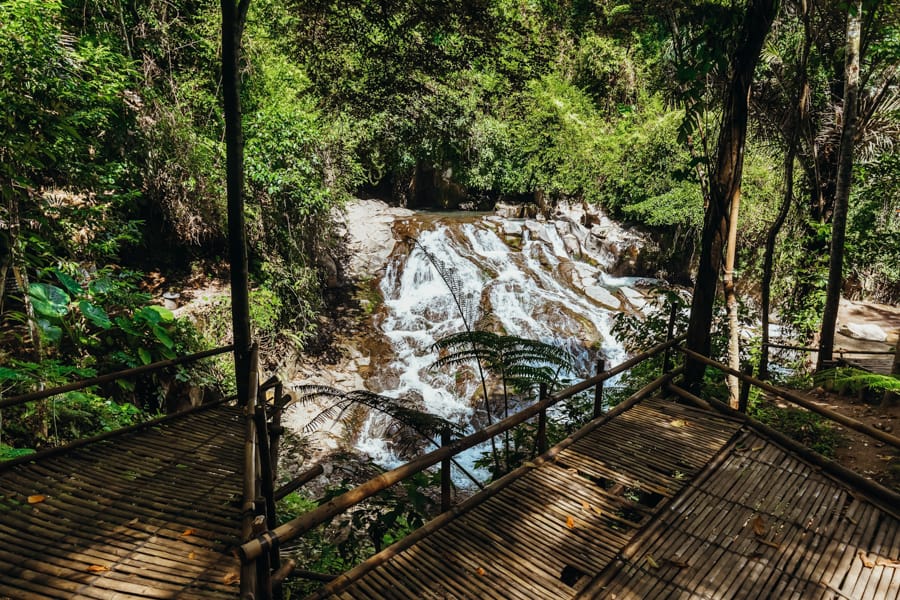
445,472
275,430
542,423
891,397
598,389
745,390
248,569
263,568
670,332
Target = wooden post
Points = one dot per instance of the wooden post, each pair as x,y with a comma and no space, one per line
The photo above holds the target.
670,331
263,570
891,397
445,472
251,481
598,389
542,423
275,429
745,390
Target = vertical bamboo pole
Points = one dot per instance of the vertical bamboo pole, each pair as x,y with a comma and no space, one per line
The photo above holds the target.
248,570
542,423
275,429
598,389
670,331
445,472
745,390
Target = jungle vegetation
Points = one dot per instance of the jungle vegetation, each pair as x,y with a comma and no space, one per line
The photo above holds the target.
112,154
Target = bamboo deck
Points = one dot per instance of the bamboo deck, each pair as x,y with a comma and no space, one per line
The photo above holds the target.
880,364
146,514
662,501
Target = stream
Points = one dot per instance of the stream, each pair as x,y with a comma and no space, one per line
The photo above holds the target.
544,280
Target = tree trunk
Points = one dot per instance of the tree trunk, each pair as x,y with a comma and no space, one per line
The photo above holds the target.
731,304
842,190
725,180
793,139
233,17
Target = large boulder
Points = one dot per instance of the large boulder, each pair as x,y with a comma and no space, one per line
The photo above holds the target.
370,235
864,331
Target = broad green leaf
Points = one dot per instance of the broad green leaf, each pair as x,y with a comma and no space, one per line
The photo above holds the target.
67,282
163,336
95,314
101,285
49,300
127,326
49,331
144,355
169,354
148,315
165,315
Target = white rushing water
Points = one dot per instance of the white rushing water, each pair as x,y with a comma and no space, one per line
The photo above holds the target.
541,285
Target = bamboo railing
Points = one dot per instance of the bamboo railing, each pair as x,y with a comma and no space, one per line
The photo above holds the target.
261,545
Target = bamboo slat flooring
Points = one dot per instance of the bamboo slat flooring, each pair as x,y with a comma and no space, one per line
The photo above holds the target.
764,524
146,514
880,364
549,532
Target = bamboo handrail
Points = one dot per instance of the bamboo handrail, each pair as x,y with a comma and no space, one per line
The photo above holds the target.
836,350
886,495
549,456
800,400
101,379
252,549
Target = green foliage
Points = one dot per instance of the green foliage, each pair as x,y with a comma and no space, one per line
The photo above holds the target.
853,380
807,428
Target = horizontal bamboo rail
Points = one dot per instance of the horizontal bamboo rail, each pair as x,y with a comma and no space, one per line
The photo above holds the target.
252,549
444,518
298,482
836,350
873,488
800,401
101,379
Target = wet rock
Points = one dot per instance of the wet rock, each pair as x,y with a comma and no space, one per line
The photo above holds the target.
864,331
370,236
509,211
573,247
512,227
603,296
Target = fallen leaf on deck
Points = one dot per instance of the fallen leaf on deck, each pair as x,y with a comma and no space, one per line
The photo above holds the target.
230,577
865,560
570,522
530,464
677,562
97,568
891,563
585,505
35,499
189,531
759,525
191,556
678,423
597,511
651,561
480,571
758,447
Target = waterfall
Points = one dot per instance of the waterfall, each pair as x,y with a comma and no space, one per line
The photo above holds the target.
538,280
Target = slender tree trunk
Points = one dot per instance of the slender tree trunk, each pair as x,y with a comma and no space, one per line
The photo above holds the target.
793,139
233,17
726,180
842,191
731,304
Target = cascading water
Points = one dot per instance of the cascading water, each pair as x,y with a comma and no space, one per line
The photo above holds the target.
523,277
